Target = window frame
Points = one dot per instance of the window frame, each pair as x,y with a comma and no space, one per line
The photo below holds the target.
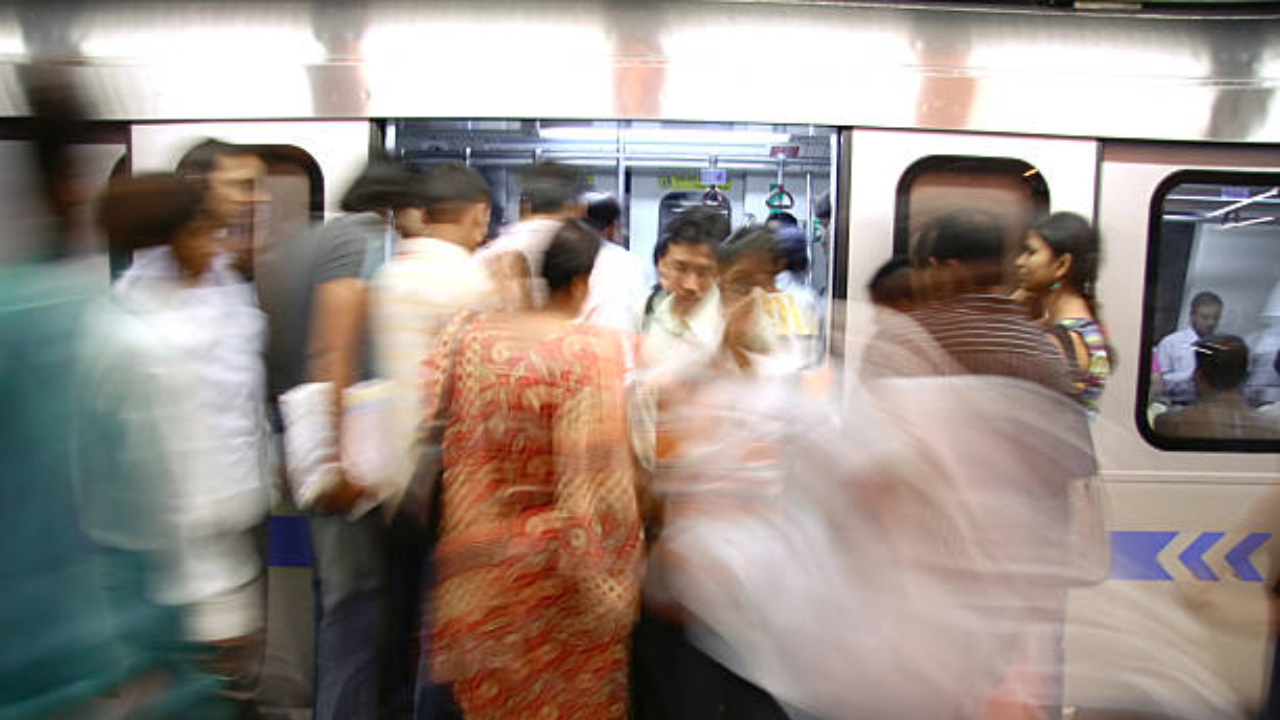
1155,218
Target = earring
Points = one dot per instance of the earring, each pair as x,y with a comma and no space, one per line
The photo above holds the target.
1056,286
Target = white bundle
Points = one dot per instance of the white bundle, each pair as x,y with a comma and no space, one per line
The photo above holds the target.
368,454
310,442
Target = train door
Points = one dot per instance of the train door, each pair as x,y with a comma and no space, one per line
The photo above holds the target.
1185,614
900,179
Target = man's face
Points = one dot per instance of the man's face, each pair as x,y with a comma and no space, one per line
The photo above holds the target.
688,271
235,188
1205,318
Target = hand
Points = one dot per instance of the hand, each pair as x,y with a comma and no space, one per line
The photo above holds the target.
341,498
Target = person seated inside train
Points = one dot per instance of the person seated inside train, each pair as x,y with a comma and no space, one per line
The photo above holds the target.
617,286
232,176
1222,361
958,273
1176,353
686,320
1057,272
551,194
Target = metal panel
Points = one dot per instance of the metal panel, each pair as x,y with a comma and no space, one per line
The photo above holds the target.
1099,74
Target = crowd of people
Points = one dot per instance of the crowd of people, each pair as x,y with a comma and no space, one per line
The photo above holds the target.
537,487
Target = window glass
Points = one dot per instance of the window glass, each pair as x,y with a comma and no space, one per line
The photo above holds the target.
1212,324
1013,190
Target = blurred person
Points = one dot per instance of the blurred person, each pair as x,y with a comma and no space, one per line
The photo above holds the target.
793,306
314,292
958,264
207,338
890,285
540,538
232,177
1176,353
433,276
604,215
617,280
550,194
1222,362
686,321
1057,272
82,637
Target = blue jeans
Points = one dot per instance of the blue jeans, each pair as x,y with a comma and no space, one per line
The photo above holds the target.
350,591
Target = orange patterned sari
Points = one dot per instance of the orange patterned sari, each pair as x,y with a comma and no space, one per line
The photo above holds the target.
540,540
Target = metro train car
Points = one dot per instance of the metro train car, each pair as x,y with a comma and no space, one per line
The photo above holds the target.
1156,120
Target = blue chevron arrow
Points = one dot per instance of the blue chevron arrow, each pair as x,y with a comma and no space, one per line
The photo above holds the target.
1193,558
1238,556
1133,554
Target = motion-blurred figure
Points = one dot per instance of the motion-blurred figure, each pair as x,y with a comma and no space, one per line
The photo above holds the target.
432,277
207,338
1176,353
314,288
540,540
550,194
1057,270
1222,361
231,176
79,517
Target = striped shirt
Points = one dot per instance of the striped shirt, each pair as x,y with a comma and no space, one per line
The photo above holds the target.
990,335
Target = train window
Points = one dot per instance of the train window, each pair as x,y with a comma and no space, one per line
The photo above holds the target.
1012,189
1211,378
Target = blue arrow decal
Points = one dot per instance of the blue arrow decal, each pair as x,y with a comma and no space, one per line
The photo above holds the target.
1192,556
1133,554
1238,556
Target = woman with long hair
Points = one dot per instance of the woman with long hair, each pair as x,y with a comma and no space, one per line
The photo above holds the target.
1057,271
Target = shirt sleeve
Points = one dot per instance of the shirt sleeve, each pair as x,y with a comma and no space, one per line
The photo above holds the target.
343,246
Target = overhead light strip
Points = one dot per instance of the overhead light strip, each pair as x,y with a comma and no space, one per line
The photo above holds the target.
1237,205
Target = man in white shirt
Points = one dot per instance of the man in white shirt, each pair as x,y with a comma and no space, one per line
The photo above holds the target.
617,289
686,322
549,197
1176,353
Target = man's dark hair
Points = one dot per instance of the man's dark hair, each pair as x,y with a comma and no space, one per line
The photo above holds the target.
965,235
822,208
201,159
148,210
384,184
780,219
890,285
602,211
698,225
549,188
746,241
1222,361
793,249
571,254
449,186
1203,298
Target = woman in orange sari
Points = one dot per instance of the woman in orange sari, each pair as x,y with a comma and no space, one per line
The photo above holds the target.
540,536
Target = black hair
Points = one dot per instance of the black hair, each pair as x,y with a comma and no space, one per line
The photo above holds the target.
450,184
1068,233
746,241
1205,297
890,284
384,184
549,188
792,248
781,218
822,208
202,158
571,254
964,235
1275,364
602,211
148,210
1222,361
699,225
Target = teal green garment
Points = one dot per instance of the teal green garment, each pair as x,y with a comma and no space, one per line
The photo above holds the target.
74,619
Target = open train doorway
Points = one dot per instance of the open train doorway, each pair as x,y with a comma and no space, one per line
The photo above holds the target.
752,173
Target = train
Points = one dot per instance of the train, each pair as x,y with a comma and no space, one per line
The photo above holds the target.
1159,121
